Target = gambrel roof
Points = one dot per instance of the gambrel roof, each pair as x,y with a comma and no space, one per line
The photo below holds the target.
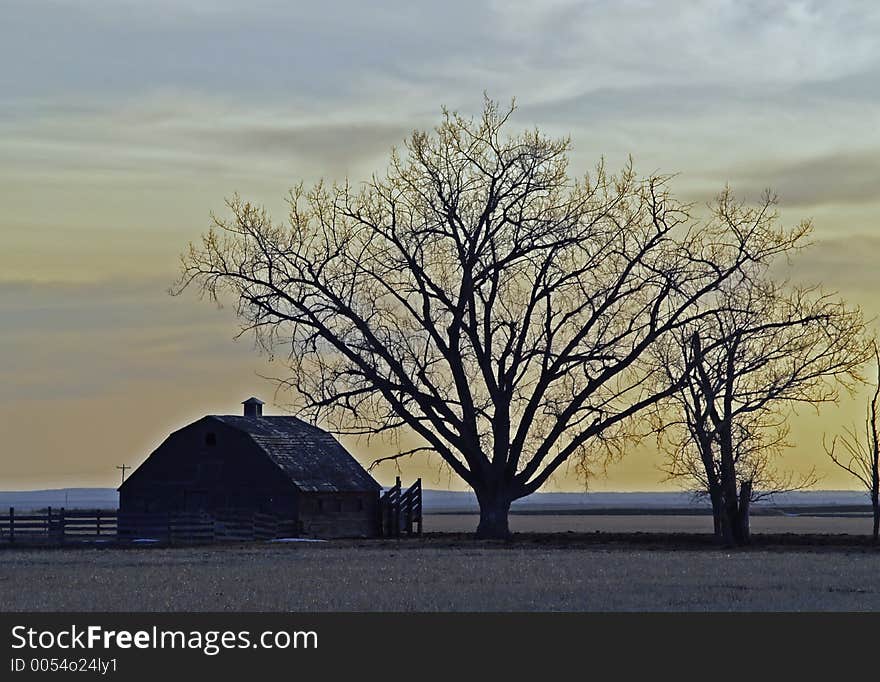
312,458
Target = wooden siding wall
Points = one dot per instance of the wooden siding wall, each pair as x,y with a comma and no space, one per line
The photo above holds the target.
187,474
334,515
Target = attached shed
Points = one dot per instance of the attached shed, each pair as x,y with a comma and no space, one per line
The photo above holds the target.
277,465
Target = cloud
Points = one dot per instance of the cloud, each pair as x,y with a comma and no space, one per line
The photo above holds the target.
167,135
122,123
335,52
552,51
85,339
844,264
332,149
841,178
222,89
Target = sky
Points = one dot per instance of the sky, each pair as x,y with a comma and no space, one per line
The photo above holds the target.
123,124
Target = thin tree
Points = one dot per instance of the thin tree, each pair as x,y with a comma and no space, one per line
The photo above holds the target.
861,456
758,441
480,297
765,350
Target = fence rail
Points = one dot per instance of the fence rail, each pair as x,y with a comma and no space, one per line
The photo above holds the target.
57,524
400,512
61,525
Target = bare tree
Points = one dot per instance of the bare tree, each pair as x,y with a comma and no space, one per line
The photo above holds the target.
765,349
758,440
480,297
861,457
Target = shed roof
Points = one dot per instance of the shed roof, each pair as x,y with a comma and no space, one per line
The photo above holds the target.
312,458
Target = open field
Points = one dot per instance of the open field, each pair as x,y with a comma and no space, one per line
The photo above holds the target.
440,573
650,523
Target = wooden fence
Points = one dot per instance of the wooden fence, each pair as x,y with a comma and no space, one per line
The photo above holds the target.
56,526
400,511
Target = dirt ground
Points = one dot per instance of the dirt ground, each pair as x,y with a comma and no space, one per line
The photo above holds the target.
442,573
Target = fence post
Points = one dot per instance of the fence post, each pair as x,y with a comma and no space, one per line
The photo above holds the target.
379,513
49,523
419,517
98,522
398,507
61,525
11,525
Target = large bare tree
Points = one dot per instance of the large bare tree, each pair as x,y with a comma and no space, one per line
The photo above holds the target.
860,456
765,349
480,297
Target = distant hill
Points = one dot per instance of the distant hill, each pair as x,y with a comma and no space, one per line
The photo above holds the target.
448,501
70,498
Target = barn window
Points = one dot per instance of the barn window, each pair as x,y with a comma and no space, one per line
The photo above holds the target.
210,439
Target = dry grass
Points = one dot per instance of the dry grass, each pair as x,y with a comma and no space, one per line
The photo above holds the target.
436,574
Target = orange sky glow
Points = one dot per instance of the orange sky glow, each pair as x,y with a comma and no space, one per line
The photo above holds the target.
123,125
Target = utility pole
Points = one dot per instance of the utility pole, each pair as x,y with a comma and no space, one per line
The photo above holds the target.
124,468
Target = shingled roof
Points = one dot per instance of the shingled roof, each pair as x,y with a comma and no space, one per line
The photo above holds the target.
312,458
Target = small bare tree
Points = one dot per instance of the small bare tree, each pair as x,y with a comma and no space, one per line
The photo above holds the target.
860,456
758,441
766,349
480,297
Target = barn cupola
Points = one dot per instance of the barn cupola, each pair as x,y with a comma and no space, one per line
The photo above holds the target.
253,407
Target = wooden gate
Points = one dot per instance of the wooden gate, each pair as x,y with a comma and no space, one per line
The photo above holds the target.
400,511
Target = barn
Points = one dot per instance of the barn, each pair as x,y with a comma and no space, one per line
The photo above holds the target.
277,465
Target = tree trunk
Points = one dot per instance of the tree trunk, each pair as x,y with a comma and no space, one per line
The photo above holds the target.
732,527
875,497
494,511
717,511
715,493
727,522
730,498
876,506
741,533
730,517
